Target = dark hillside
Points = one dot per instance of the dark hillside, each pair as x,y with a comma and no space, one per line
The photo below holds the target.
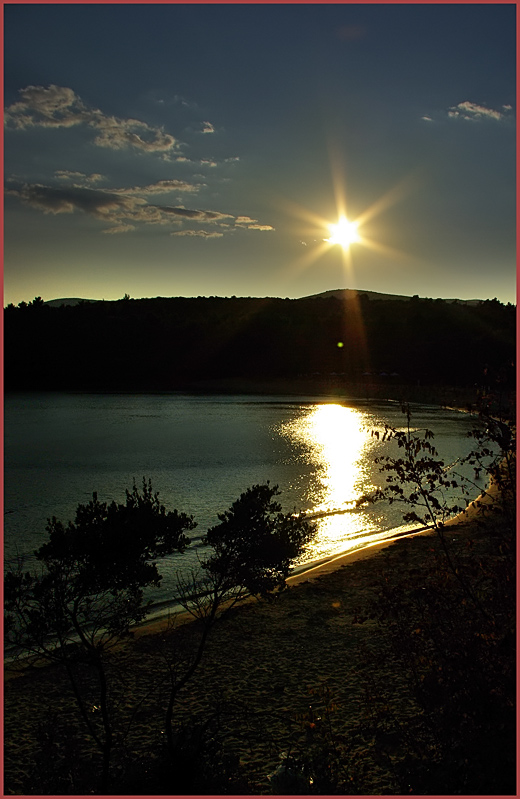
168,344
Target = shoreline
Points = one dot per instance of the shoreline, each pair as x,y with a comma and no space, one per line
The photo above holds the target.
328,387
332,563
169,618
262,666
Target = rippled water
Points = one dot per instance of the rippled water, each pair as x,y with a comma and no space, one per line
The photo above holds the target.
201,452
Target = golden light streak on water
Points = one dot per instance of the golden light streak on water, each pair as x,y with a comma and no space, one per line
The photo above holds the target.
338,442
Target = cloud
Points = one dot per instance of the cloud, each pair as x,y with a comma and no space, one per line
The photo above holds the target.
119,229
250,224
67,174
58,200
189,213
198,233
60,107
123,208
104,205
161,187
54,106
473,112
119,133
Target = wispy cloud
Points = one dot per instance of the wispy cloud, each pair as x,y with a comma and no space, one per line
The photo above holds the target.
126,208
203,234
473,112
251,224
60,107
79,177
161,187
119,229
190,213
67,199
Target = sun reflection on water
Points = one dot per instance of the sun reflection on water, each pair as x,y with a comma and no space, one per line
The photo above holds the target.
336,440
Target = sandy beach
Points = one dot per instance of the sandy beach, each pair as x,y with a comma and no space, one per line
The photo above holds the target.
268,665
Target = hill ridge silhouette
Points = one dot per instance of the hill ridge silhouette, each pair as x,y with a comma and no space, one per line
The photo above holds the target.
338,293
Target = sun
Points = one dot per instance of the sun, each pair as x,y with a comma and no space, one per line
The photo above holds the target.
344,233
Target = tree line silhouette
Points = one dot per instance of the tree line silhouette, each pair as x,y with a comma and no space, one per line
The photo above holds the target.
175,343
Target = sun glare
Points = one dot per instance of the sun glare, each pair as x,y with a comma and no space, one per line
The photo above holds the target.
344,233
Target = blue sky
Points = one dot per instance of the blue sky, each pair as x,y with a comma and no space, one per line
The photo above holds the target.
185,150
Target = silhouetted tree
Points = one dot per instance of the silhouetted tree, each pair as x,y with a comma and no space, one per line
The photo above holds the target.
90,590
253,549
255,542
182,340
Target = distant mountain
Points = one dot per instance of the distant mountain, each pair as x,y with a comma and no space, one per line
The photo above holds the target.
341,294
67,301
349,294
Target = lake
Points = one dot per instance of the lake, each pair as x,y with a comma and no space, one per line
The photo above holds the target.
201,453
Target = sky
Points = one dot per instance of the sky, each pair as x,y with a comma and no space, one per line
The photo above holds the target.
206,150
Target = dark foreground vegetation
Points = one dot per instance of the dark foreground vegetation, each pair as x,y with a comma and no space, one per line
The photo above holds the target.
395,675
89,591
186,343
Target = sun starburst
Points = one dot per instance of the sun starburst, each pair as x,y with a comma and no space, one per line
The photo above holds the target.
344,233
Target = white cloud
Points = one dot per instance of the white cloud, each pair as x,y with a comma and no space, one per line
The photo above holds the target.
61,107
198,233
55,106
473,112
207,127
161,187
260,227
89,180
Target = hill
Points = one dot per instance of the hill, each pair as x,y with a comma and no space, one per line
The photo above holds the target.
341,294
348,294
66,301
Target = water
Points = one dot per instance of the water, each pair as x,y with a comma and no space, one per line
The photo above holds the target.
201,453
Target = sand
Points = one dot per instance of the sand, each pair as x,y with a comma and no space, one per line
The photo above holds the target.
265,665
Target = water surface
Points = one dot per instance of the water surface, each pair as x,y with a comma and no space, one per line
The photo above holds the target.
201,453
